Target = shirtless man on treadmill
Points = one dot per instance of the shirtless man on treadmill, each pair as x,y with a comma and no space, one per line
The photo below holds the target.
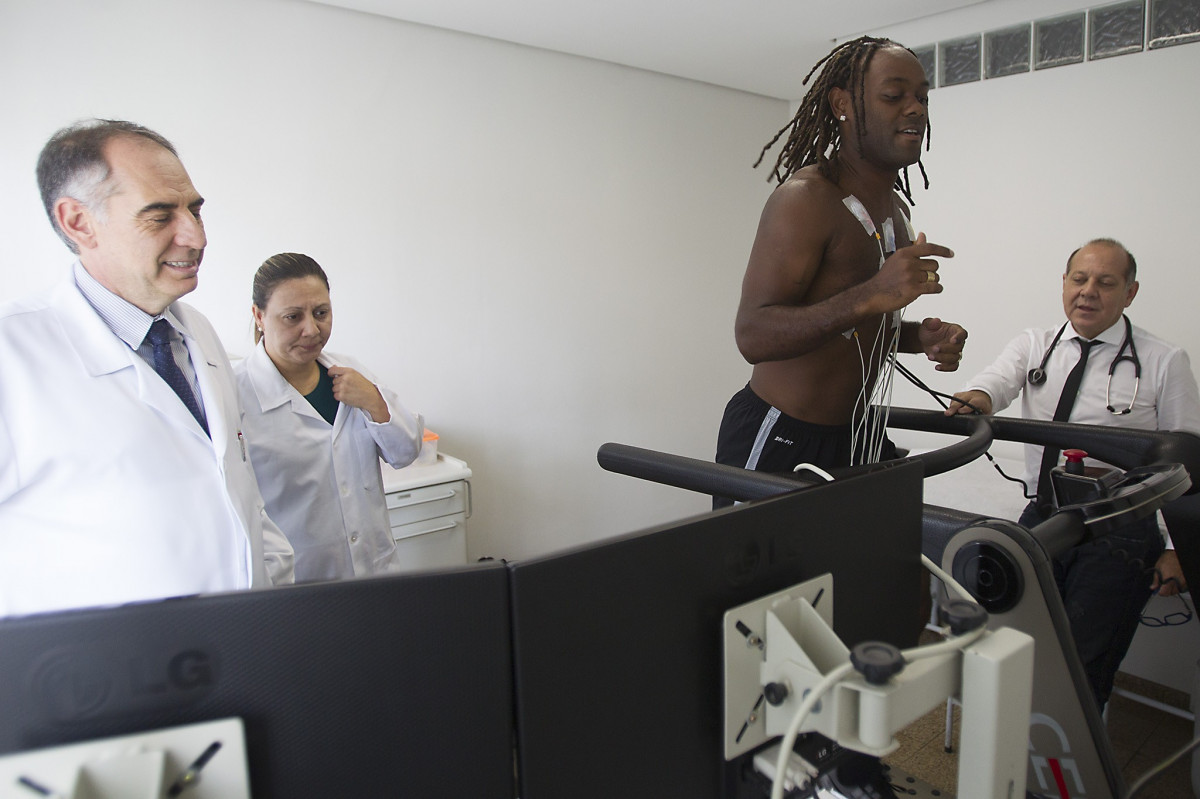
834,261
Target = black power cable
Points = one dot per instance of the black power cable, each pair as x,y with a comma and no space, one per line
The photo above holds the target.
938,396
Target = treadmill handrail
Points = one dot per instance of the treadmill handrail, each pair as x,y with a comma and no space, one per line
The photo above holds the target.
1124,448
704,477
744,485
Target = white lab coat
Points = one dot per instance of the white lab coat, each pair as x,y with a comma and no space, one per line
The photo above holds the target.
110,491
322,484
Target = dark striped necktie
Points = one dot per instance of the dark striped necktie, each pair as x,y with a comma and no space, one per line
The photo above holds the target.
164,363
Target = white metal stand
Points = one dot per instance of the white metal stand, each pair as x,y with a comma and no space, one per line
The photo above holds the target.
793,647
197,761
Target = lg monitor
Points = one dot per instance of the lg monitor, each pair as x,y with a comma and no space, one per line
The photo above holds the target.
618,644
387,686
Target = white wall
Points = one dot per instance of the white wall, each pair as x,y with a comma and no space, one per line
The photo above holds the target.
540,253
1026,168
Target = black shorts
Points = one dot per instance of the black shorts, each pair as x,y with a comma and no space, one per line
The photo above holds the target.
757,436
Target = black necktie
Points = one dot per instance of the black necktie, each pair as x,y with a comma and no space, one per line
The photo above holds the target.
164,363
1066,401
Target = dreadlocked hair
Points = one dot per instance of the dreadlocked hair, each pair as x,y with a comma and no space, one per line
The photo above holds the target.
814,136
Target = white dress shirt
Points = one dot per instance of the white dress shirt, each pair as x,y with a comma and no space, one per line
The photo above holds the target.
321,482
1167,396
131,324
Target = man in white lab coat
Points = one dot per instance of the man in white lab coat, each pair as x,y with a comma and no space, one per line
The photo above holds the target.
123,472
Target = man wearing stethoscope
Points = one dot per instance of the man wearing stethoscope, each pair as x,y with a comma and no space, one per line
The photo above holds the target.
1130,378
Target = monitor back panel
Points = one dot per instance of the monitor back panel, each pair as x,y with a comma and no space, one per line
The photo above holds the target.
388,686
618,645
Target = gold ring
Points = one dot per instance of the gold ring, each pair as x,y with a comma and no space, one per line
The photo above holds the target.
930,276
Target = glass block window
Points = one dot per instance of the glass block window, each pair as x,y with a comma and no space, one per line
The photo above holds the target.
1007,51
1116,29
1174,22
1058,41
959,60
927,55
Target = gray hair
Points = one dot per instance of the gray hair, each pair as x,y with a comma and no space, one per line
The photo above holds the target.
72,164
1130,267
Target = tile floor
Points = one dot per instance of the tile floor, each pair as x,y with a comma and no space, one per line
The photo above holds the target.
1142,736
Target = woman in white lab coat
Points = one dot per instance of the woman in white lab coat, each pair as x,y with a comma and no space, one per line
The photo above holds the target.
316,425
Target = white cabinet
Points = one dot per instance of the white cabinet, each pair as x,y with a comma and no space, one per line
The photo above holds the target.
428,507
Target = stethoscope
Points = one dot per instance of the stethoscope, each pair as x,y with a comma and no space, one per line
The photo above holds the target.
1037,376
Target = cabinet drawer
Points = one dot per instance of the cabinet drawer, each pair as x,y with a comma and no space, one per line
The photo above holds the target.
427,502
433,543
